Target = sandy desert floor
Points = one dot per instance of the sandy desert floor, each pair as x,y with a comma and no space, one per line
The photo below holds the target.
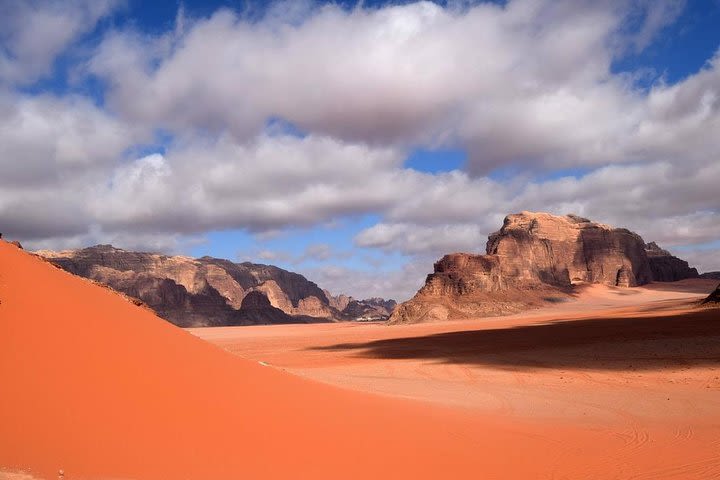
633,373
616,385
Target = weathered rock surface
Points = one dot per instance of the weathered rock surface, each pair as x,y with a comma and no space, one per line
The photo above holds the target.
713,298
338,302
199,292
257,310
665,267
368,309
536,259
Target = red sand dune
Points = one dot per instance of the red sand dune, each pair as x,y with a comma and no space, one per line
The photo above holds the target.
102,389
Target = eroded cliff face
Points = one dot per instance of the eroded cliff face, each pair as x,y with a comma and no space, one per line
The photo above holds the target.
200,292
256,309
667,268
535,259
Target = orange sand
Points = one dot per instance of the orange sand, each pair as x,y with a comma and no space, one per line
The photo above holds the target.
102,389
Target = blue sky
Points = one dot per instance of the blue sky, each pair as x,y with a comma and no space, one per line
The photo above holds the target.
356,142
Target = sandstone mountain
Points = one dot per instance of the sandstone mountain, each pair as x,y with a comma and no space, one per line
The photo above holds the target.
203,291
665,267
535,259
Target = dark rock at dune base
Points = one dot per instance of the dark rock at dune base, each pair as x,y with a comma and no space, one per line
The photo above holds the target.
711,275
713,298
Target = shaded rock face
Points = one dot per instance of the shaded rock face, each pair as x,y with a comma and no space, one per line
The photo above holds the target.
257,310
665,267
199,292
711,275
713,298
536,259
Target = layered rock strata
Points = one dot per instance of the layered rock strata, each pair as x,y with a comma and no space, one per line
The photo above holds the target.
536,259
665,267
200,292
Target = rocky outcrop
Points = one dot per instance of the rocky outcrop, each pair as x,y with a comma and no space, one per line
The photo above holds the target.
374,308
535,259
369,309
257,310
200,292
711,275
339,302
713,298
665,267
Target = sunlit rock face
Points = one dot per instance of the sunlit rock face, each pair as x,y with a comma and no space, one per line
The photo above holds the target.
200,292
537,258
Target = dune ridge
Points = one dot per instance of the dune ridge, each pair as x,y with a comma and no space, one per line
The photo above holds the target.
103,389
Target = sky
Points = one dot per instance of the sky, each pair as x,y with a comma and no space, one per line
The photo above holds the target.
356,142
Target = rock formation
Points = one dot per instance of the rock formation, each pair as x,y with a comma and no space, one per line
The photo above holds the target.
713,298
711,275
257,310
535,259
210,291
665,267
199,292
368,309
338,302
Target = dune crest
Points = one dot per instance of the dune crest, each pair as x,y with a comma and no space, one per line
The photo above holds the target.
101,388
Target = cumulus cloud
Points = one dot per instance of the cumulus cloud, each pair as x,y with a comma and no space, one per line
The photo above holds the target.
34,33
528,82
269,183
398,284
662,201
278,121
413,239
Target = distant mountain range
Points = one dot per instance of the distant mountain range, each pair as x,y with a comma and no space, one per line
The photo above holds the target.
208,291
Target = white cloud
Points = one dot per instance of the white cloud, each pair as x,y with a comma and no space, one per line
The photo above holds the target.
34,33
398,284
527,85
413,239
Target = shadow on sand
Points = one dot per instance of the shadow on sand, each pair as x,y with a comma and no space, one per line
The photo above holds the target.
665,341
